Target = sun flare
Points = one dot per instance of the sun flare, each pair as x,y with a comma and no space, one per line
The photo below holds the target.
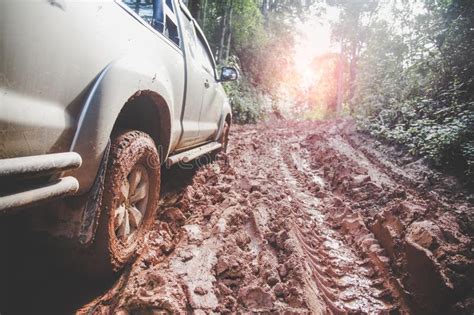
314,41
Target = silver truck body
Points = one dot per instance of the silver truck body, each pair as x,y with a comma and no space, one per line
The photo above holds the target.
72,71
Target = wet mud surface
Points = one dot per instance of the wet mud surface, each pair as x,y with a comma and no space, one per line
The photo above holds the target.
297,218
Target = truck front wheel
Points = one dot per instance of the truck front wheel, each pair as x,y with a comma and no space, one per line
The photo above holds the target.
225,136
130,201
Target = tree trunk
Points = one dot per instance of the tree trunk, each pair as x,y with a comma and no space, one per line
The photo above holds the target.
227,51
204,14
352,75
229,36
265,8
224,25
340,81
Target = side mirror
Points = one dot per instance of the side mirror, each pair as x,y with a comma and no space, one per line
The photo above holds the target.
229,74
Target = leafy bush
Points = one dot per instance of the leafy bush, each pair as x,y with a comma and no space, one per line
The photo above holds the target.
246,102
445,136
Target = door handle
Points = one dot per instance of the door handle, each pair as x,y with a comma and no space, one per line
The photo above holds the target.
206,84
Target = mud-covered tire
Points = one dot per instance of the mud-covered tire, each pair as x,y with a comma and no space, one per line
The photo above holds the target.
130,150
224,138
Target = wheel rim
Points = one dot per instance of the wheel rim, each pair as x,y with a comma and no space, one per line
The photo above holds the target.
128,216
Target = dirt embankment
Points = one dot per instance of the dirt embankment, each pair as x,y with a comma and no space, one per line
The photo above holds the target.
304,217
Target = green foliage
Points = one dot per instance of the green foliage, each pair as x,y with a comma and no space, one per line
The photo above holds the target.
246,23
259,35
247,26
417,87
246,102
444,135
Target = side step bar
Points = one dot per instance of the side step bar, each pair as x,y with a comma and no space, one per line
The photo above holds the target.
26,171
190,155
63,187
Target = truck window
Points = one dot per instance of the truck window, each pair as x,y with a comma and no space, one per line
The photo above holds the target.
188,29
161,17
204,54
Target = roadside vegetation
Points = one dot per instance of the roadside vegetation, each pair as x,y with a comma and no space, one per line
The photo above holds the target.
403,69
413,81
258,37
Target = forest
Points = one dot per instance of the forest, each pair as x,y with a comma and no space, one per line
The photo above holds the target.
403,69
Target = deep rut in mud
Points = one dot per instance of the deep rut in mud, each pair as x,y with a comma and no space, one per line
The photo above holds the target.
346,280
303,218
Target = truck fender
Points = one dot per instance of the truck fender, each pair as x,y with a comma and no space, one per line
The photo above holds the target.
113,88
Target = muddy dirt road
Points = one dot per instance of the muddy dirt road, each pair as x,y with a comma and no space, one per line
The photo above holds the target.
303,218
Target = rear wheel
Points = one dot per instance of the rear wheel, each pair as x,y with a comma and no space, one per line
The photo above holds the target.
131,194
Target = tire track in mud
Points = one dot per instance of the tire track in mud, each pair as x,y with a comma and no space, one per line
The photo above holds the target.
348,281
345,281
414,226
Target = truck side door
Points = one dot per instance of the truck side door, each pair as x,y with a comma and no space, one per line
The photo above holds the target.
212,101
194,85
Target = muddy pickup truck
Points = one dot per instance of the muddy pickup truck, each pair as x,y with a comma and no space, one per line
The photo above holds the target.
95,97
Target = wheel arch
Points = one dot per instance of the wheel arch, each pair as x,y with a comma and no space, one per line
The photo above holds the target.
147,111
116,100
